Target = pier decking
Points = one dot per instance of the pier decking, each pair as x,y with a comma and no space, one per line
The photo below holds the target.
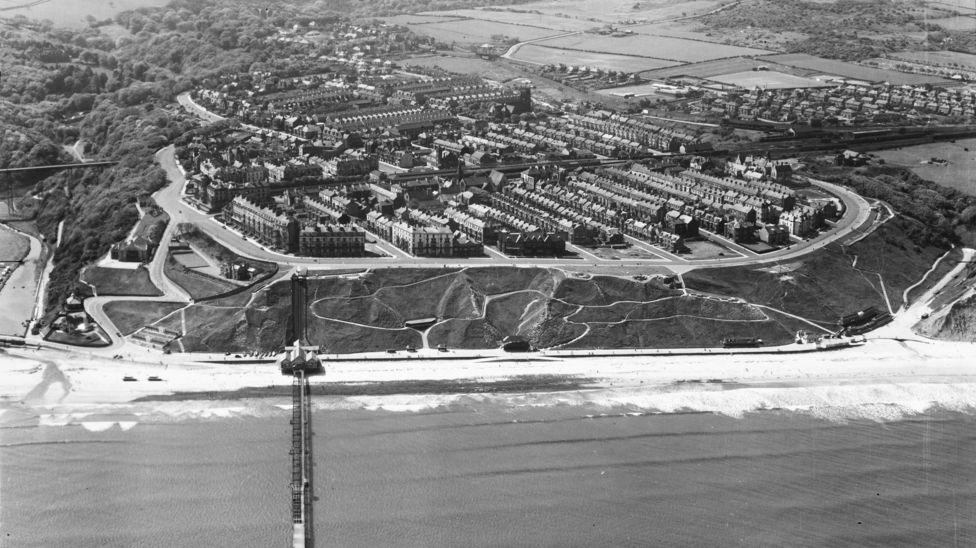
301,463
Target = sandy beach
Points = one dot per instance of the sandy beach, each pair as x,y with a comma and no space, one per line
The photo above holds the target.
881,379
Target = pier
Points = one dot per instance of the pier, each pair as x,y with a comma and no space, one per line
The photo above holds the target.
300,361
301,463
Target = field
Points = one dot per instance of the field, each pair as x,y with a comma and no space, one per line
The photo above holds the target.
120,281
71,13
677,29
705,69
767,80
130,316
964,6
656,47
965,61
541,20
466,65
850,70
531,53
960,174
599,12
405,20
956,23
472,31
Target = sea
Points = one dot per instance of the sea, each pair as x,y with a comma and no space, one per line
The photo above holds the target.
488,470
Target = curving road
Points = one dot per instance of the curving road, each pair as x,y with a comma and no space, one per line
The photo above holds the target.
857,213
857,216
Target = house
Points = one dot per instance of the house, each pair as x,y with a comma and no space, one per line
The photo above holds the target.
773,234
136,250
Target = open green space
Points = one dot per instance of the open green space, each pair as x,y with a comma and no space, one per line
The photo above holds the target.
14,246
845,69
130,316
956,59
957,172
596,13
518,16
706,69
627,253
120,281
477,32
481,307
198,284
544,55
707,249
219,254
827,284
469,64
768,79
656,47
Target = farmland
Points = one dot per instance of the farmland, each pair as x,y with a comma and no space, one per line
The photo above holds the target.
705,69
849,70
557,23
470,31
599,12
531,53
768,79
677,29
965,61
466,65
656,47
406,20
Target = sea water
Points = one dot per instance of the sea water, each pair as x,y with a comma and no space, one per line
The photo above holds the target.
502,470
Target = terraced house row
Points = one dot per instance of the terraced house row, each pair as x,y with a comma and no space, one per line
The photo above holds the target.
850,101
634,133
283,231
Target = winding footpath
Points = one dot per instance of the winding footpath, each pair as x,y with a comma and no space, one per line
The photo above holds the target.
857,215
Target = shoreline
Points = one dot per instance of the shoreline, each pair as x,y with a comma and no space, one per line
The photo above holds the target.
880,379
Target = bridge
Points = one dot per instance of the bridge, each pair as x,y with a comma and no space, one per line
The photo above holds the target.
43,170
57,167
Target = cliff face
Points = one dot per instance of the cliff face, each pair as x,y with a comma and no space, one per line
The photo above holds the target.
957,324
478,308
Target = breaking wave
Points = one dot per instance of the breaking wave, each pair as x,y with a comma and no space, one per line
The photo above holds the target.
880,402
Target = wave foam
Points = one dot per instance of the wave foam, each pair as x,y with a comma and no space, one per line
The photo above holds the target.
878,402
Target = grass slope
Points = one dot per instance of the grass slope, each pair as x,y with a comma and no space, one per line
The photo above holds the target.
130,316
120,281
825,285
